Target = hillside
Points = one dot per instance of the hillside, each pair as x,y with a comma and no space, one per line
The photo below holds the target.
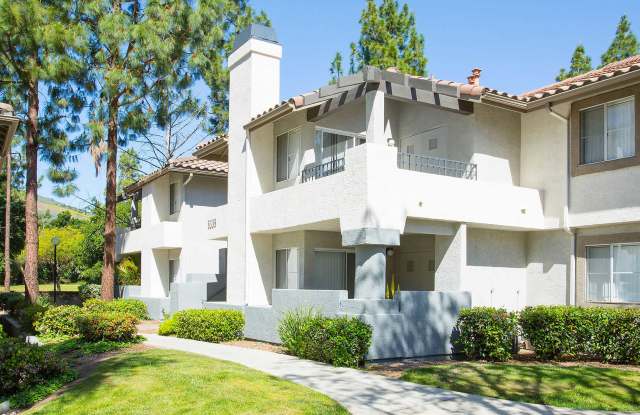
54,207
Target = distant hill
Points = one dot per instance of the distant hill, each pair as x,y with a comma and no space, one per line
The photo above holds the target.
54,207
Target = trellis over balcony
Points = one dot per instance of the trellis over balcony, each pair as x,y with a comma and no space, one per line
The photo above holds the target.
440,166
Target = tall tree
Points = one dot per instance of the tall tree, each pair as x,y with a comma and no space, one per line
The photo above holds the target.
388,38
135,46
624,44
39,58
336,68
580,63
211,48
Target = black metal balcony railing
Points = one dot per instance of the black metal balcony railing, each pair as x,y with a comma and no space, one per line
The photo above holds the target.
322,170
434,165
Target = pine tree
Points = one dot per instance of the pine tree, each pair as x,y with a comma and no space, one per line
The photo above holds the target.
624,43
580,63
336,68
388,38
211,48
39,61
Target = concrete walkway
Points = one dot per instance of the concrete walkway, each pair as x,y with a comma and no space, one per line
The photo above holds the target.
358,391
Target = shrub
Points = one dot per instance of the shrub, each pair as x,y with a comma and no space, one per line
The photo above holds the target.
96,326
605,334
486,333
209,325
340,341
3,335
59,321
24,365
167,327
121,305
11,302
92,275
87,291
29,315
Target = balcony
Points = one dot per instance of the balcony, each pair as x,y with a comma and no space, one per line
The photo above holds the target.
163,235
439,166
322,170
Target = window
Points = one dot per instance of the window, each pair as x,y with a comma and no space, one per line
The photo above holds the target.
331,145
607,132
613,273
286,267
287,155
173,270
173,198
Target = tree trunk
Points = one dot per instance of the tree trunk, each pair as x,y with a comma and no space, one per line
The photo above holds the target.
31,203
7,226
108,270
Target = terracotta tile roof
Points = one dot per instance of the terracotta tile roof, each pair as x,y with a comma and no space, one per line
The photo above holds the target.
190,164
195,163
223,137
606,72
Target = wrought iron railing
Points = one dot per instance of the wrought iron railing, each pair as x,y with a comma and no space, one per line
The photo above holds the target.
435,165
322,170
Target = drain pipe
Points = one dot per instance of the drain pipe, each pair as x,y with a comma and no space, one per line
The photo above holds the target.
565,212
186,182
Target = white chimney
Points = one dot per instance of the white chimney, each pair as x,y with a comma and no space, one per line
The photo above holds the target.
254,87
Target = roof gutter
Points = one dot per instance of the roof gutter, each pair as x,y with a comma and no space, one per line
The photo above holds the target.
277,113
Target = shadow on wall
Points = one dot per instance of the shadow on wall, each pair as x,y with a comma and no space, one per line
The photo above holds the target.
492,248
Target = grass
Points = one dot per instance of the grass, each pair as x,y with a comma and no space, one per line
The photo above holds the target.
169,382
78,347
72,287
579,387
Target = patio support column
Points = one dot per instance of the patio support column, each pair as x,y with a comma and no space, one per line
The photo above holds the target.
374,101
370,271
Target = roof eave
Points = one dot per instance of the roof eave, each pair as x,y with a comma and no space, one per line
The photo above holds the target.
134,187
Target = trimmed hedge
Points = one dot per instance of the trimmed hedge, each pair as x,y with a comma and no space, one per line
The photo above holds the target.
340,341
131,306
96,326
59,321
24,365
209,325
167,327
604,334
486,333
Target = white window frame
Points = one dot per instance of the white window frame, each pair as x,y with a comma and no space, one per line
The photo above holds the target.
611,247
605,134
296,160
289,250
355,139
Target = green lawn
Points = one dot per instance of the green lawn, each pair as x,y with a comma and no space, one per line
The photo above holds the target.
580,387
73,287
168,382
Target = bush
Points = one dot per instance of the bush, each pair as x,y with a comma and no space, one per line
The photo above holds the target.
209,325
88,291
605,334
121,305
486,333
11,302
24,365
3,335
92,275
167,327
59,321
29,315
96,326
340,341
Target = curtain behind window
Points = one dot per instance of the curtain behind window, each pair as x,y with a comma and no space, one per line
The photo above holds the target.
620,130
592,135
598,268
330,271
626,273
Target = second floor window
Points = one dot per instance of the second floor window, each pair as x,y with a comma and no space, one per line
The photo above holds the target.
607,132
173,198
287,155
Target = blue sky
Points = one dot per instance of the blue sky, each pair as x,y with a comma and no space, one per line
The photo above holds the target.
519,45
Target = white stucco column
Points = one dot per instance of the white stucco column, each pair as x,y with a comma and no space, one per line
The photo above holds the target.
374,111
371,265
254,86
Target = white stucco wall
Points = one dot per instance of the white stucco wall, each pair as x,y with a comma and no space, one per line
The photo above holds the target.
544,162
548,267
